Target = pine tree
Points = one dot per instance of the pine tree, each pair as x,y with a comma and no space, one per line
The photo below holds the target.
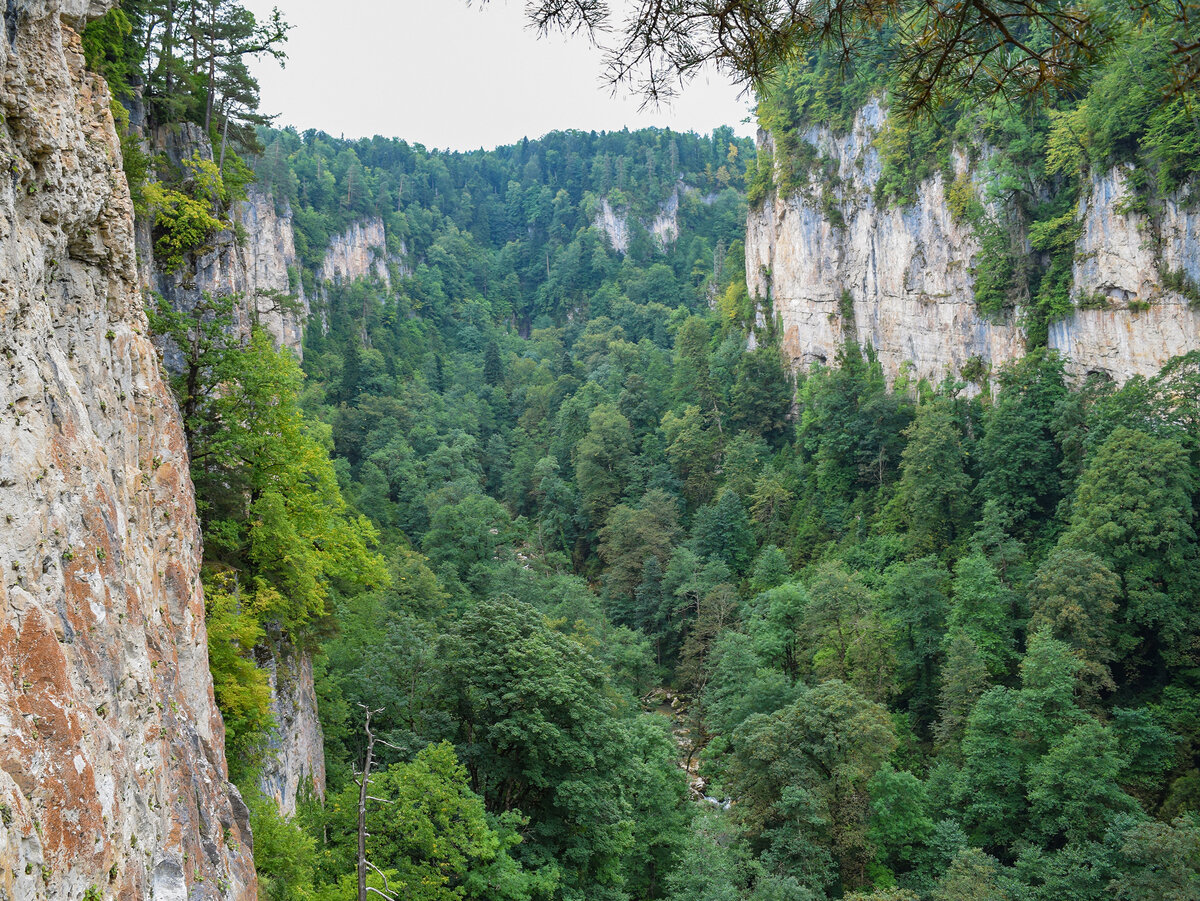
493,367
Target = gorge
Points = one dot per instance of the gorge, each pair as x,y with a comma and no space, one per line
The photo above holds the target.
887,470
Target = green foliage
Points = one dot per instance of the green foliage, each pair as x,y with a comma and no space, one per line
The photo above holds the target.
1074,594
1020,460
995,268
278,534
982,611
467,533
1133,510
242,690
284,854
973,876
602,461
902,626
190,61
1162,862
1054,237
962,201
722,532
300,536
964,680
900,820
630,539
814,90
545,735
107,50
801,778
183,225
1074,789
910,151
915,603
931,496
1178,280
428,831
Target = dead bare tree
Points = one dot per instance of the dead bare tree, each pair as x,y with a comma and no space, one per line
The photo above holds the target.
363,781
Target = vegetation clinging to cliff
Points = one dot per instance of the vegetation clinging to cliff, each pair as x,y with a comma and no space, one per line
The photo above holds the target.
1033,161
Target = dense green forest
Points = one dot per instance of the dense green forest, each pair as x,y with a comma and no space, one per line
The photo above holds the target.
933,644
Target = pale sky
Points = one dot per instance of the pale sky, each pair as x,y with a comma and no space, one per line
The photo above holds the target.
449,75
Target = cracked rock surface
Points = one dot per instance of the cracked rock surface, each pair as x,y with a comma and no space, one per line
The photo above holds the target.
112,767
907,271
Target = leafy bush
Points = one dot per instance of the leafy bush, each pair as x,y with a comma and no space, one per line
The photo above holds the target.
242,690
184,226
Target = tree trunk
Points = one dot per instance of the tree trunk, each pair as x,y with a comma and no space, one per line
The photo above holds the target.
362,810
212,70
224,140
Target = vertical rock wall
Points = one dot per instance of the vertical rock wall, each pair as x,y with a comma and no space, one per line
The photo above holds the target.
664,227
297,764
358,252
258,264
906,271
1121,258
112,770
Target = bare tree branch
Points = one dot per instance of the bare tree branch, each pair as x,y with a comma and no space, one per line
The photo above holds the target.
1016,48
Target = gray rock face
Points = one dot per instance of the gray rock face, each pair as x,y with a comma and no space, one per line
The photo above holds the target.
269,263
1117,258
358,252
112,768
908,274
298,762
614,223
259,268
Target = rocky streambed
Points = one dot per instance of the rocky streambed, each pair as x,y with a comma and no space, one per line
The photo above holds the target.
689,740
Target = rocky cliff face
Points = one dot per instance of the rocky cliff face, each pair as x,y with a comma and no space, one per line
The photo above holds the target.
614,223
907,272
358,252
297,766
1122,259
261,268
112,770
269,263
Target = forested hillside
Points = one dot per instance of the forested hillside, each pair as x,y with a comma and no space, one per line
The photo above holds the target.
930,641
934,644
497,413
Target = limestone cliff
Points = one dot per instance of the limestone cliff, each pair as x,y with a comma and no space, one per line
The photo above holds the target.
296,765
613,222
1122,258
358,252
907,272
112,769
257,261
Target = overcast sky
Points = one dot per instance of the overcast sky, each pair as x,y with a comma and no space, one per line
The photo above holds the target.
449,75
